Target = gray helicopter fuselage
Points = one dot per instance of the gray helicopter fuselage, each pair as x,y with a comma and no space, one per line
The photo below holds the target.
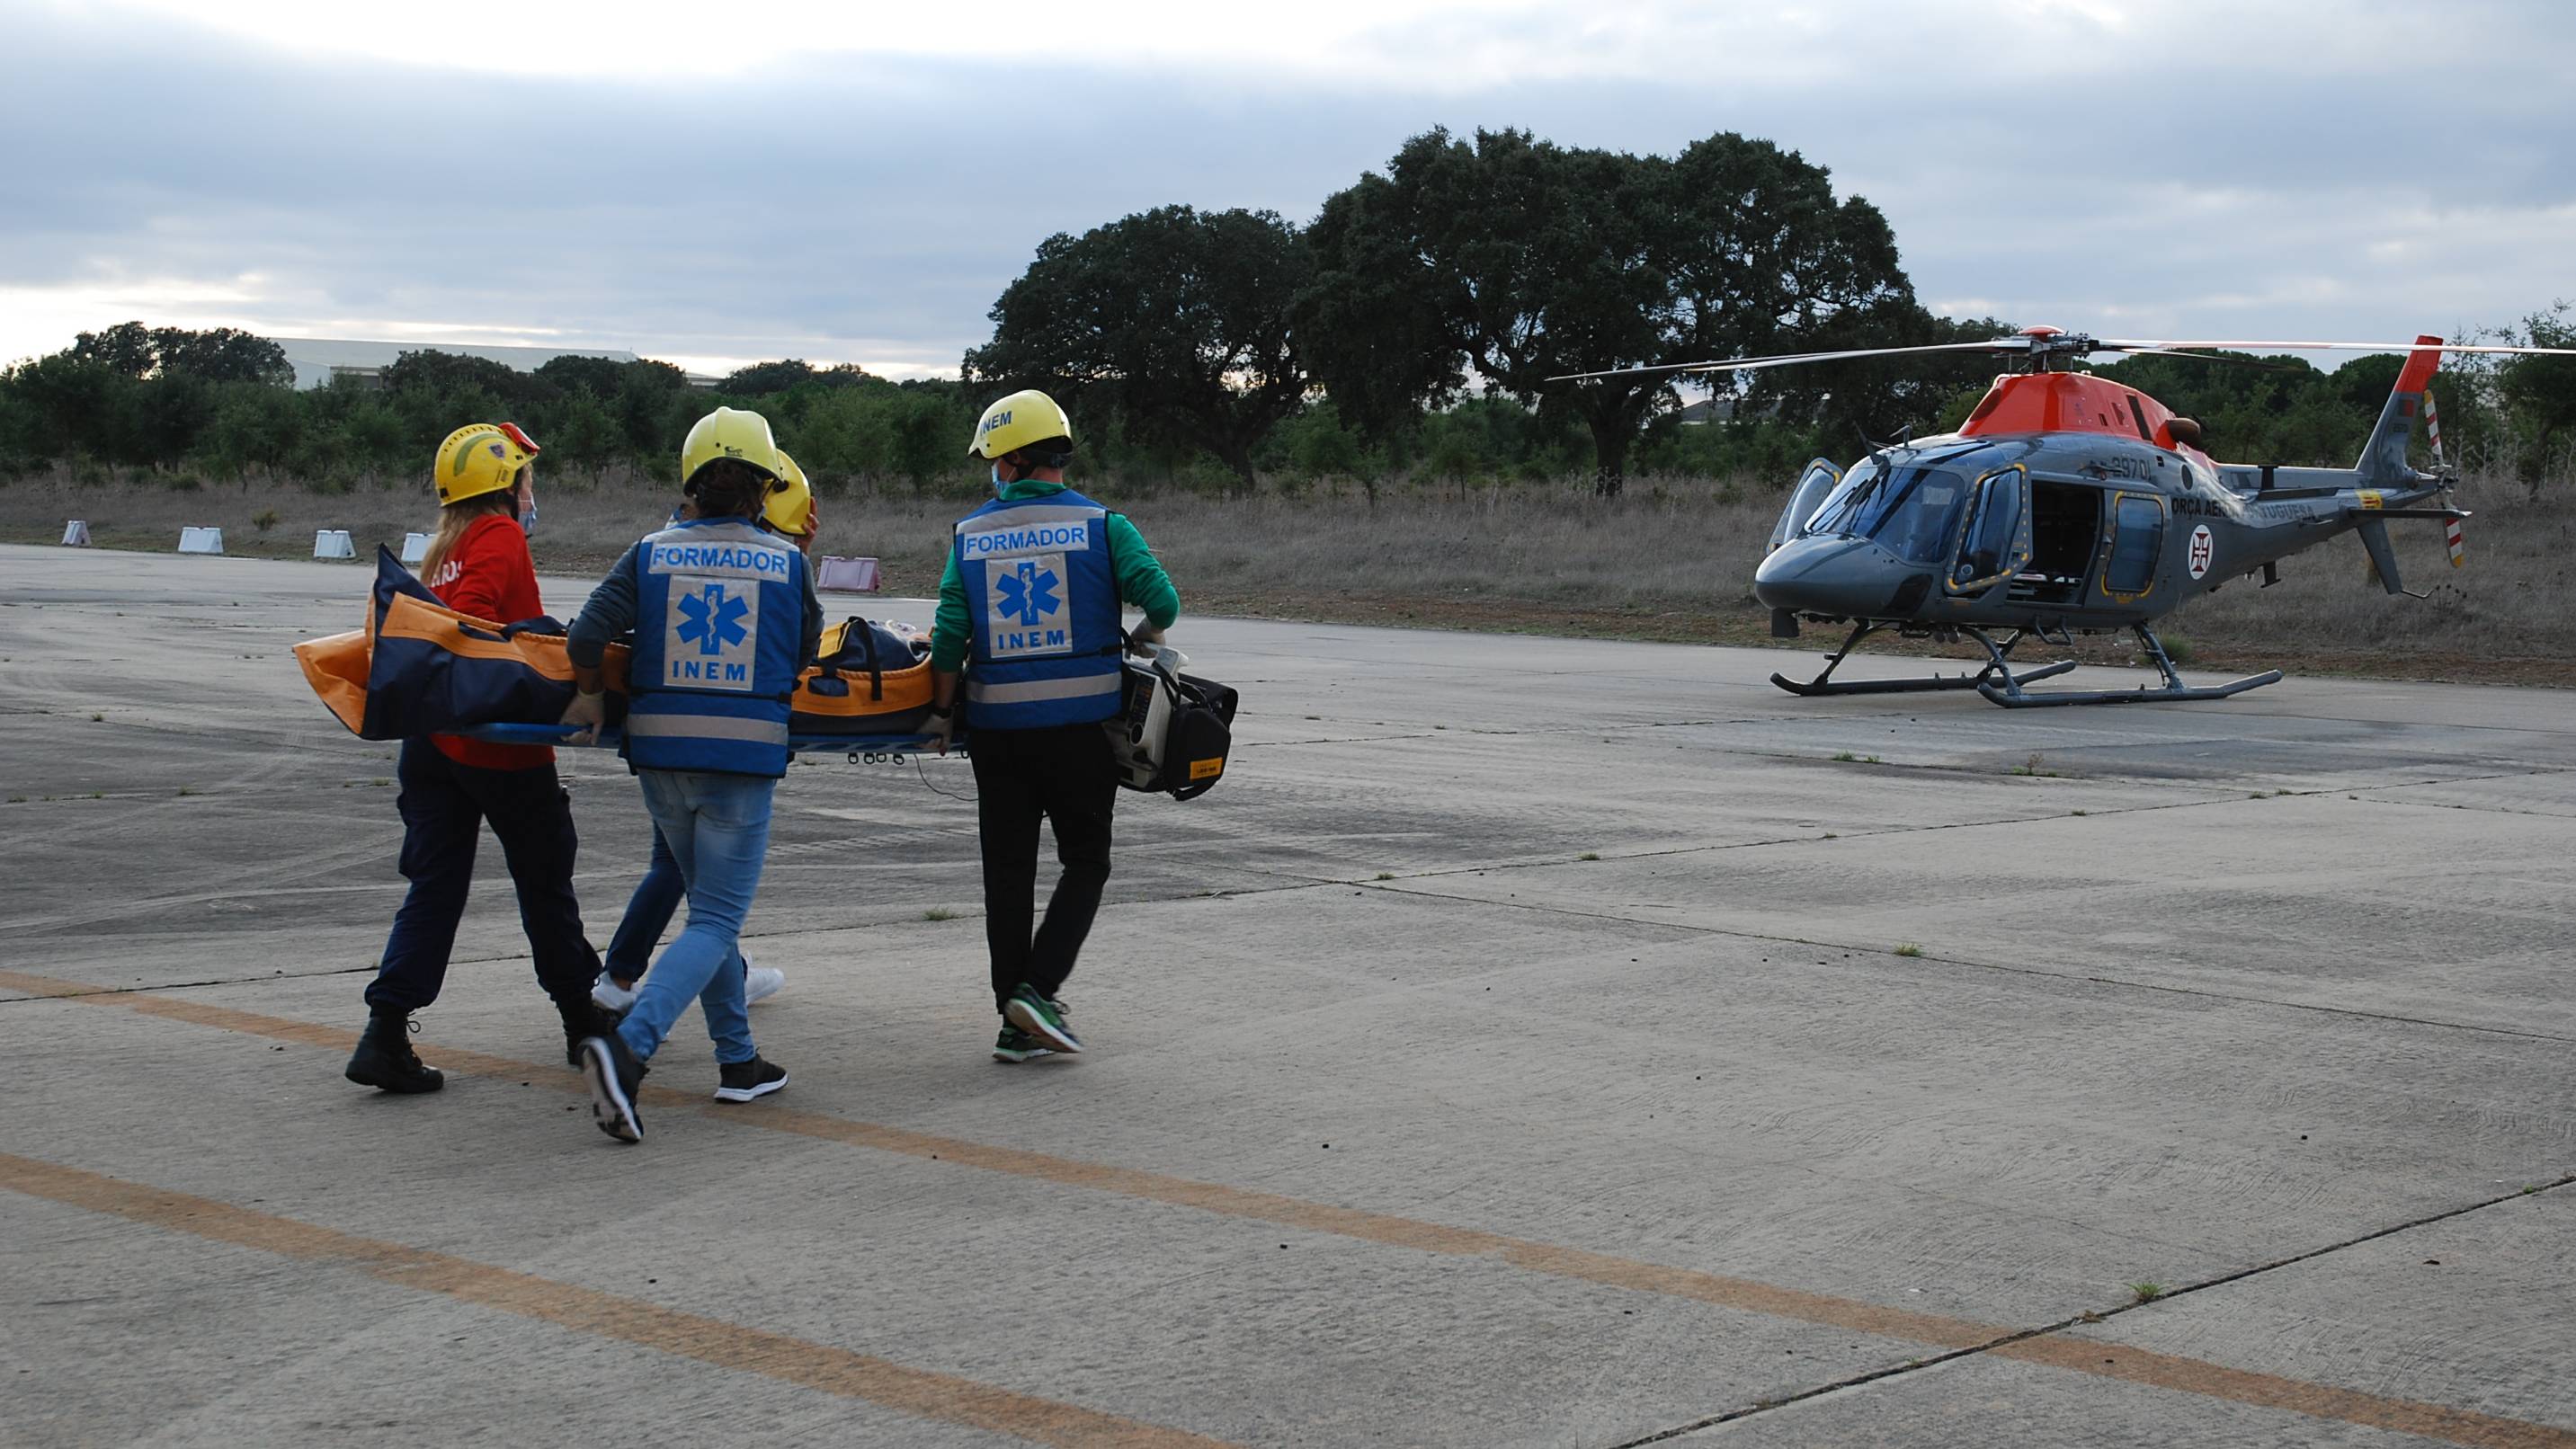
2052,530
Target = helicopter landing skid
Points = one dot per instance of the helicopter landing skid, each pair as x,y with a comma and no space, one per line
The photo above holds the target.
2011,695
1825,684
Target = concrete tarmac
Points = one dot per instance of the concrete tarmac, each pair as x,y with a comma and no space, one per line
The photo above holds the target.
1531,1041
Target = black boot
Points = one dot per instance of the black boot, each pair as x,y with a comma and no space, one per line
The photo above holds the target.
384,1058
582,1020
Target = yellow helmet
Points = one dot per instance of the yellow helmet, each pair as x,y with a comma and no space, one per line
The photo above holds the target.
790,509
480,458
1025,417
735,433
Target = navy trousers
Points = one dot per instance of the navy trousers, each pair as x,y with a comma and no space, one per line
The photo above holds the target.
444,808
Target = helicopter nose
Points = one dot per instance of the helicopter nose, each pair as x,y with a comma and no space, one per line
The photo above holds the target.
1850,577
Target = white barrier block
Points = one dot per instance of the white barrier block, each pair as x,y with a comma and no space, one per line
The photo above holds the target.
333,543
201,540
849,576
415,549
76,534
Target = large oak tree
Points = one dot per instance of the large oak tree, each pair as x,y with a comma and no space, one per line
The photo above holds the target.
1515,260
1175,321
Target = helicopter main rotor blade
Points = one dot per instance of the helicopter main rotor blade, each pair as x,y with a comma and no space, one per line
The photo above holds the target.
2126,344
2253,362
1748,364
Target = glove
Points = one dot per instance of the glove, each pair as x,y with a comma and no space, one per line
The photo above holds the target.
1143,638
585,714
942,727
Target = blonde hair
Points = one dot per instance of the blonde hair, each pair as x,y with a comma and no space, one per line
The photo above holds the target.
453,520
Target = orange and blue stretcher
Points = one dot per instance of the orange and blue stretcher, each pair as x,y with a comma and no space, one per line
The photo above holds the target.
419,667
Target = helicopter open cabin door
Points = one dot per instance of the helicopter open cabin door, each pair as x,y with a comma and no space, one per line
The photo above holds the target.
1994,532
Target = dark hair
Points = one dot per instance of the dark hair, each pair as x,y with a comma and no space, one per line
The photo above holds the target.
1047,452
729,488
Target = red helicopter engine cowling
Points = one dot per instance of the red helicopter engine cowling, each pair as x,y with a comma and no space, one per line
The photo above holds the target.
2068,402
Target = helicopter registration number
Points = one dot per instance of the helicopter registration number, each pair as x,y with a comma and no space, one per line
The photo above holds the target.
2198,556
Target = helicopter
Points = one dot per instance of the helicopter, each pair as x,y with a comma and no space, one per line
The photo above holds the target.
2071,503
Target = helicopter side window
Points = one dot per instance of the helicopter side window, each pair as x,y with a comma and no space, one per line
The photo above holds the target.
1813,485
2136,546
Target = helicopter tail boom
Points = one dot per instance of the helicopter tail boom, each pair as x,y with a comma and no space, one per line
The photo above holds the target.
2383,458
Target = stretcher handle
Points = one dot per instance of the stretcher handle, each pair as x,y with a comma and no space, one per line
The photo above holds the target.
508,632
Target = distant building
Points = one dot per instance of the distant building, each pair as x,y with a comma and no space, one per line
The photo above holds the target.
1706,411
319,361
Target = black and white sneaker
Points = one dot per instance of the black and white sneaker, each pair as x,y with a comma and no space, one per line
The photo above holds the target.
615,1077
742,1081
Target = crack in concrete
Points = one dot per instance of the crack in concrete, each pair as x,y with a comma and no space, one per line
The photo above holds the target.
2084,1319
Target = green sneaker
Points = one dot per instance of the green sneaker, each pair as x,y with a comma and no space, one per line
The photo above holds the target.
1041,1019
1015,1045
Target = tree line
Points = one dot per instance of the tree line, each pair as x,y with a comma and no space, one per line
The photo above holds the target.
1480,273
1421,325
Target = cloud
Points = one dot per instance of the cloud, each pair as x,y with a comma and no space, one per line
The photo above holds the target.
861,188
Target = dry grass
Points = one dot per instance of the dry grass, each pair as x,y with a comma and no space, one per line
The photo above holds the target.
1672,559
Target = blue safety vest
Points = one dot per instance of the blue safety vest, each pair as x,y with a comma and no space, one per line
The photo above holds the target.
719,626
1042,599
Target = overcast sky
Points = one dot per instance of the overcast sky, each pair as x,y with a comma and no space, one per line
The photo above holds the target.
718,183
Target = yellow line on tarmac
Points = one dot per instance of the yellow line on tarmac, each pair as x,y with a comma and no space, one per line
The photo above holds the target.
837,1371
2078,1355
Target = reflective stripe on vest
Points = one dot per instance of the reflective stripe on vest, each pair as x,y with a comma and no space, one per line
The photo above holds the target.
720,622
1026,691
707,726
1042,606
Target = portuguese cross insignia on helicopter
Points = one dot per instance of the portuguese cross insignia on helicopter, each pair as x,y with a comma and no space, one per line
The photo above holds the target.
2070,503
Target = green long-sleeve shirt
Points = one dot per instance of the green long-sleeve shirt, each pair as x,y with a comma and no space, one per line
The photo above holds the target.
1141,582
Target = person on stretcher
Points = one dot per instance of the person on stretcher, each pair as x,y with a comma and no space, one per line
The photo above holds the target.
791,514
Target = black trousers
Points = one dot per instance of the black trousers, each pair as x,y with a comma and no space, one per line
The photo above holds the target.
444,805
1068,777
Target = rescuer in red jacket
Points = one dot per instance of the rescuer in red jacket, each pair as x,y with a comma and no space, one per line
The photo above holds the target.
478,564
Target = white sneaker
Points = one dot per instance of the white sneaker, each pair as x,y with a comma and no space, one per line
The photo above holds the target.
610,996
759,983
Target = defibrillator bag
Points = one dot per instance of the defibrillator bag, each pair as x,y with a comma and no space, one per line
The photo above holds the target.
420,667
868,679
1174,730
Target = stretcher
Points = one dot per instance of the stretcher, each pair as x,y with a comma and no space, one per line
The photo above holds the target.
858,747
419,667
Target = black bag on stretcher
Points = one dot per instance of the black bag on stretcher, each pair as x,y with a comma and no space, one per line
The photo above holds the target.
1174,731
420,667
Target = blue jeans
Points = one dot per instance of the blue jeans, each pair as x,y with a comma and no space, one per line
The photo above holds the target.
717,830
648,912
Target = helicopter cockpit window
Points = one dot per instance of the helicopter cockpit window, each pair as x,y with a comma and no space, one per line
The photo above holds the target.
1813,485
1910,511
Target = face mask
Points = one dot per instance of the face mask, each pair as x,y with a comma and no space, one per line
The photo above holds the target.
528,501
528,519
997,480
